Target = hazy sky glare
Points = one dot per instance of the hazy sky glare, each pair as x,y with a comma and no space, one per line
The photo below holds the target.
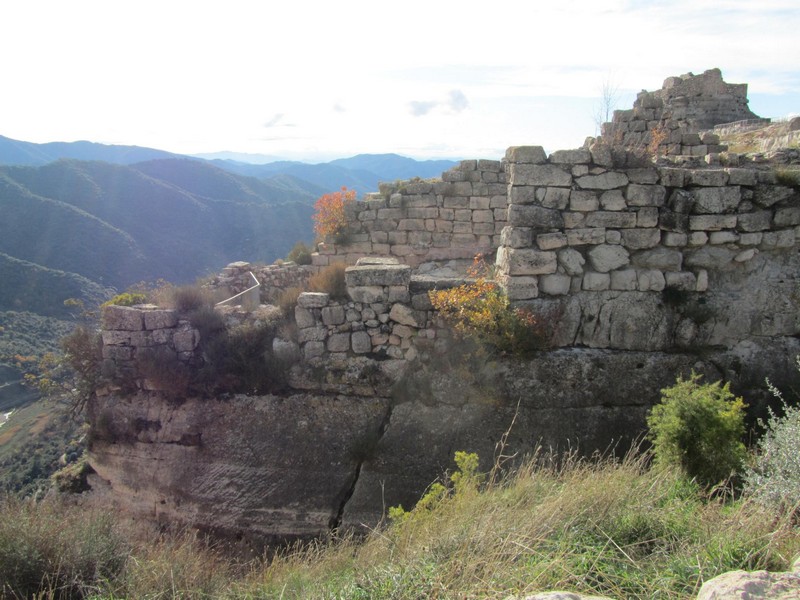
317,80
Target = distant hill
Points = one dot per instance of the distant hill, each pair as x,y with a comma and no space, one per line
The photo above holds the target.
16,152
174,218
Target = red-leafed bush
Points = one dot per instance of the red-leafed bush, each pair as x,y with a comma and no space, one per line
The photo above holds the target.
329,218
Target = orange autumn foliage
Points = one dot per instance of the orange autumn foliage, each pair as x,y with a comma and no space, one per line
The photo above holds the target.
330,218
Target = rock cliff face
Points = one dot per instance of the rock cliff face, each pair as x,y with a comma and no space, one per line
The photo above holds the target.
269,468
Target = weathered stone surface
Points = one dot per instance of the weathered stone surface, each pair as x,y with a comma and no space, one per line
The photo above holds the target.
522,261
596,281
551,241
400,313
555,197
605,181
614,220
571,261
526,154
712,222
768,195
663,259
755,221
709,257
625,279
613,200
368,294
751,585
361,342
787,217
583,200
645,195
651,280
333,315
374,275
539,175
571,157
555,284
605,257
122,318
521,288
160,319
537,217
638,239
313,299
716,200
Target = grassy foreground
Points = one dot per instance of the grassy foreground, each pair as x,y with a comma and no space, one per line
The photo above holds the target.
593,526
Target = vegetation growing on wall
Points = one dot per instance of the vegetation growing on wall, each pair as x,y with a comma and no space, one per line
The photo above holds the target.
481,309
330,218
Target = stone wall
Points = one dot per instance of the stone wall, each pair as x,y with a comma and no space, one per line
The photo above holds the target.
274,279
421,222
669,120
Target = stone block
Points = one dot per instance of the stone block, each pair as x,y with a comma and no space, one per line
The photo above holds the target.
333,315
521,288
539,175
698,238
573,220
683,280
583,201
368,294
411,225
338,342
742,177
313,350
709,257
604,181
647,216
551,241
377,275
651,280
516,237
556,197
580,237
160,319
712,222
538,217
647,175
660,258
303,317
617,220
716,200
596,282
312,334
571,261
723,237
707,177
613,236
755,221
526,154
639,239
613,200
671,177
750,239
482,216
555,284
606,257
787,217
122,318
671,238
624,280
313,299
360,342
745,255
521,261
405,315
784,238
571,157
768,195
645,195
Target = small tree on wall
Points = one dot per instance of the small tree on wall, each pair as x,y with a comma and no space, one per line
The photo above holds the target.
330,219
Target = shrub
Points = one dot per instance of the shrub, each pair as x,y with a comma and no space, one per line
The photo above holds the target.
57,551
774,477
126,299
300,254
330,280
189,298
481,309
287,300
699,428
83,357
330,219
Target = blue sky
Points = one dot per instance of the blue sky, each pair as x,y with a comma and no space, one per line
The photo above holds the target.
317,80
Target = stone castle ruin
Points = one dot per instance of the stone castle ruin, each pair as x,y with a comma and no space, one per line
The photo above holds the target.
640,264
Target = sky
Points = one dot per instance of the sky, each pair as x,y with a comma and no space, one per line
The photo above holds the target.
315,80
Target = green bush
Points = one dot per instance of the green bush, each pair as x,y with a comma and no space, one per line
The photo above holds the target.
300,254
699,428
774,477
127,299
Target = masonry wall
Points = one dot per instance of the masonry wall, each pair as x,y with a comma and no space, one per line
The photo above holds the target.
420,222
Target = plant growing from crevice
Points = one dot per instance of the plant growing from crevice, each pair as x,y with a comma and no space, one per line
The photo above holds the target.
330,218
330,280
481,309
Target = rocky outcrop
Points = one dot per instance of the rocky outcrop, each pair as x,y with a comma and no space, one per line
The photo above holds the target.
755,585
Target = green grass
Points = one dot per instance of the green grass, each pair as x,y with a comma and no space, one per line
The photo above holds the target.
591,526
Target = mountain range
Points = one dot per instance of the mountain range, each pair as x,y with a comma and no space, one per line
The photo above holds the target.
84,220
